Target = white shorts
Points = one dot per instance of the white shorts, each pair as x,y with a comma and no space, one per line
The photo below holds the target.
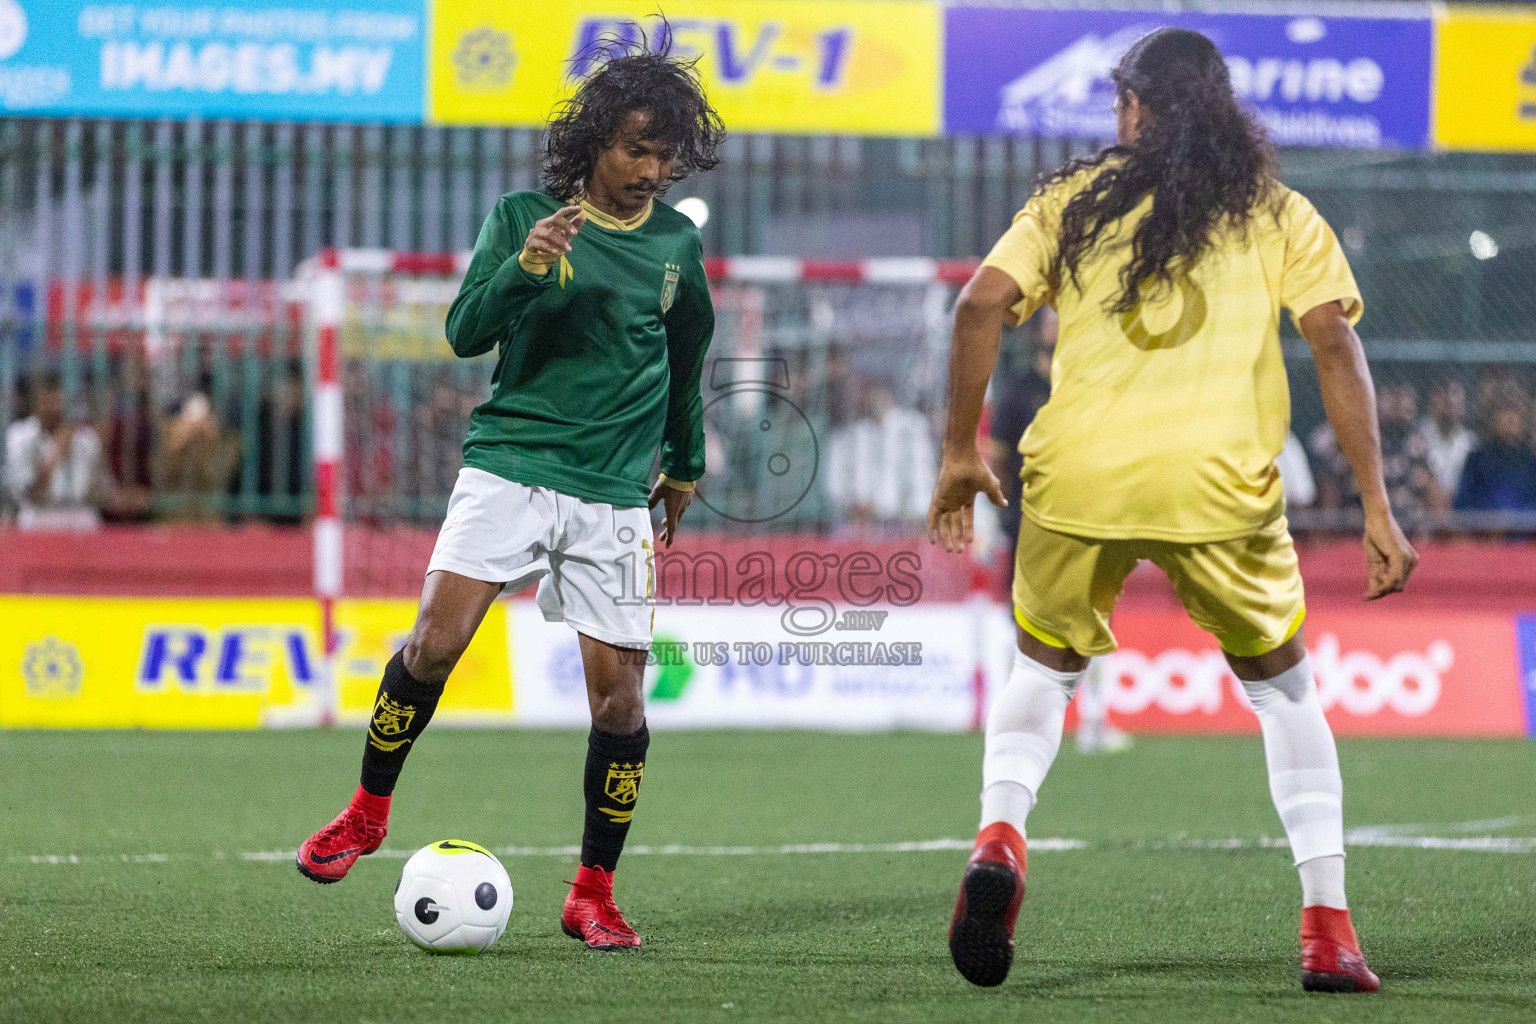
592,561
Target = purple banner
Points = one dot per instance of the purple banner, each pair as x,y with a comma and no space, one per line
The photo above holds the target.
1525,644
1314,81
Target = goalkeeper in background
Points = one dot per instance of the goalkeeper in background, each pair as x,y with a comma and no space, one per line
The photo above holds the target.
593,294
1168,257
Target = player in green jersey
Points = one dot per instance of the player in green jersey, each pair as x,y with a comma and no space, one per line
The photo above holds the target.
594,296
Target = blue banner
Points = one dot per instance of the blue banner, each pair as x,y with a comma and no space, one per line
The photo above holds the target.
1314,81
1525,645
353,60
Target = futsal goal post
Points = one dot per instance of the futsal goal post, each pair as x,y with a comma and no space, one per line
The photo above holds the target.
825,342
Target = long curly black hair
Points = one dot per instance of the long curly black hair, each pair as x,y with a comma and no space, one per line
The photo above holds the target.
621,75
1207,164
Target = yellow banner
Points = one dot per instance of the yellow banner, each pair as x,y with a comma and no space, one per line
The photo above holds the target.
860,67
217,664
1486,93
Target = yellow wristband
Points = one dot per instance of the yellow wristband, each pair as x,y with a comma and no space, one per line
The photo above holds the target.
532,263
677,485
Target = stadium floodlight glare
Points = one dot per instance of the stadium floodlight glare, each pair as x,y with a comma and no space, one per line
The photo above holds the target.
695,209
1484,247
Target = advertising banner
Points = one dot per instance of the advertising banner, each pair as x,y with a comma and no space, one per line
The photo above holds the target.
1315,81
244,663
216,664
1525,634
1379,673
874,668
1485,94
844,66
290,59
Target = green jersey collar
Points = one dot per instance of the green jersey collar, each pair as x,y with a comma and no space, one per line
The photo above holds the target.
612,223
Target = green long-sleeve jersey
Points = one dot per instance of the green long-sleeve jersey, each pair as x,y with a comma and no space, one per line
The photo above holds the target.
599,356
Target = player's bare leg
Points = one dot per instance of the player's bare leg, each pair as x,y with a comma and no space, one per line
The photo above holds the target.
616,751
1308,793
452,607
1023,735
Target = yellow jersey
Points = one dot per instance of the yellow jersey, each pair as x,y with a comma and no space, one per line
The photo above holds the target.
1164,423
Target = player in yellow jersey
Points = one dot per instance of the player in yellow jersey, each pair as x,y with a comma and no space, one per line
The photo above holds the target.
1169,258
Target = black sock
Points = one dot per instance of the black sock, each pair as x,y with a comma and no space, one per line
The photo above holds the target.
401,711
615,766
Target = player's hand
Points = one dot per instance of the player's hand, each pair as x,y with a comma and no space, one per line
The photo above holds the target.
951,514
675,502
1389,558
551,237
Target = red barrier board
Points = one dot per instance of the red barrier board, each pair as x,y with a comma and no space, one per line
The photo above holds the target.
1380,672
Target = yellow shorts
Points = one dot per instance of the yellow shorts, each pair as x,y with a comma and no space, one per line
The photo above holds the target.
1245,592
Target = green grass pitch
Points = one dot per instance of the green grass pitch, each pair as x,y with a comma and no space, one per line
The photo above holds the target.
160,917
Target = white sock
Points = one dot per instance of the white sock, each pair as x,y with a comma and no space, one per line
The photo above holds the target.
1023,736
1304,779
1322,882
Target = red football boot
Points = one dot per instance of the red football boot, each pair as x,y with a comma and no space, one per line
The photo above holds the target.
981,932
1330,953
591,915
329,854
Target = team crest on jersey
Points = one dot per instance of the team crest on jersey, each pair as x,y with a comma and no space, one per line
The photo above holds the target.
669,286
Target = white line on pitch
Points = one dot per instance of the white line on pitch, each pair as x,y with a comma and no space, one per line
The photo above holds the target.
926,846
1361,838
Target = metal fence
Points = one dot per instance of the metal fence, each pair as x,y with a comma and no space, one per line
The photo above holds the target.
151,266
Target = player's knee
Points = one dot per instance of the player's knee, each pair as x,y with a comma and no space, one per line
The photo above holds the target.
432,652
1293,686
618,709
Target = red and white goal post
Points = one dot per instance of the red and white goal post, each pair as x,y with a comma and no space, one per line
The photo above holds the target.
346,293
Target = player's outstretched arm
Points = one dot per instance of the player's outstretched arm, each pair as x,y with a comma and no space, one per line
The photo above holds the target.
979,316
1349,399
508,268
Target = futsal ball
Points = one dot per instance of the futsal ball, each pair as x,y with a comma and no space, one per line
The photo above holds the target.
453,897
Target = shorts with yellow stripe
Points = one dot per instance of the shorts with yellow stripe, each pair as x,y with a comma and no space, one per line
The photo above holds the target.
1246,592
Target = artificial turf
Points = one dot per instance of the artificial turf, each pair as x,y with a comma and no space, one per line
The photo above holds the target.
125,896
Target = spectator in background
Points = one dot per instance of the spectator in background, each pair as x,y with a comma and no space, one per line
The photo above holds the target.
131,442
1500,473
1499,386
195,457
54,469
880,469
1447,440
1411,485
1019,398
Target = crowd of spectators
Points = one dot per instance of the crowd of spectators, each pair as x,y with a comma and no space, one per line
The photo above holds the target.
214,447
1446,461
132,453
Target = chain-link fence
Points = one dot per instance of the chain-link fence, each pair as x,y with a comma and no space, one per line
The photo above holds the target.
148,290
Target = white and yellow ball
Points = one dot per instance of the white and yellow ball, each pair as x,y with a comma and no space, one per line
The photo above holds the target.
453,897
